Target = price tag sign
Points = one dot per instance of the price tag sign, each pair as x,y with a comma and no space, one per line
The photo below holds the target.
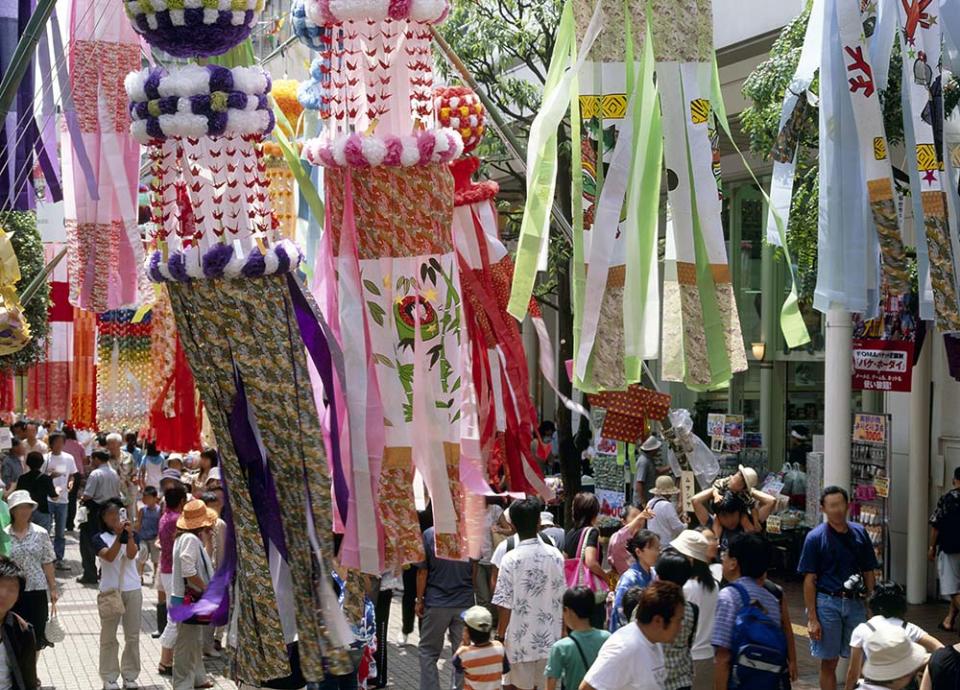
773,524
688,489
882,486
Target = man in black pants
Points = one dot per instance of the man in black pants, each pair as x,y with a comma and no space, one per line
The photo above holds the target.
102,485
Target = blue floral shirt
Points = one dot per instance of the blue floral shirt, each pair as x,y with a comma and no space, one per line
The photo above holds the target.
635,576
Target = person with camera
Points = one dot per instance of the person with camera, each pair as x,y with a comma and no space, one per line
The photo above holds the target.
838,564
120,599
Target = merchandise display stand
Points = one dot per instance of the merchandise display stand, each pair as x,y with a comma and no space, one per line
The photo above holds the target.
870,479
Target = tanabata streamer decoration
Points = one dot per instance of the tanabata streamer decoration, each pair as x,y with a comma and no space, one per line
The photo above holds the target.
243,322
123,371
105,253
861,259
48,381
390,261
83,371
603,68
171,395
191,28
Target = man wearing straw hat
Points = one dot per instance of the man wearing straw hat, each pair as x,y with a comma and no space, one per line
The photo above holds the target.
647,469
665,522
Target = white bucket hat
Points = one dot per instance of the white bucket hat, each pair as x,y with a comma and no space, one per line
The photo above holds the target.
750,477
692,544
19,498
651,444
891,655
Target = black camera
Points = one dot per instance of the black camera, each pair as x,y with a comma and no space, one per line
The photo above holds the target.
854,585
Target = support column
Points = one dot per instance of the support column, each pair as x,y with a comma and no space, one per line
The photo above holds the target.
836,425
769,335
918,487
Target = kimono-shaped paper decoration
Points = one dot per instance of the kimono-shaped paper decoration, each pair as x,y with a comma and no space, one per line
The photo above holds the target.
194,29
607,52
123,371
216,245
628,411
104,246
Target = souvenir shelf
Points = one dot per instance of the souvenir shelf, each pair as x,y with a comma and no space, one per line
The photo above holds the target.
870,480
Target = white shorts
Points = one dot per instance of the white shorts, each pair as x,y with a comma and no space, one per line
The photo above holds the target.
166,582
527,675
948,568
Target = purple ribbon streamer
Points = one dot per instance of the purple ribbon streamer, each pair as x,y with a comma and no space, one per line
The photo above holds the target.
263,492
316,343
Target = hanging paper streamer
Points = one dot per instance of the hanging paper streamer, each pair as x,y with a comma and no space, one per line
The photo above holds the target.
48,382
123,372
920,44
105,251
83,371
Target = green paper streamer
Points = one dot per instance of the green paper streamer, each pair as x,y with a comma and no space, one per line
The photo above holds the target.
791,321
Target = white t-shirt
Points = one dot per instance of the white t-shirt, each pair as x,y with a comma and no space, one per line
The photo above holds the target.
66,465
110,571
628,661
665,522
863,631
706,601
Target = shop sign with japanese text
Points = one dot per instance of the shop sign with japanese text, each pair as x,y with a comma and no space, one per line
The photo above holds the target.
882,365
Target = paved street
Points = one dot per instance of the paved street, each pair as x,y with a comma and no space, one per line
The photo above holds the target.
72,665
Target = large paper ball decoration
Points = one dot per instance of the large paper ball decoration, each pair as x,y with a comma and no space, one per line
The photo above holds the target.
459,108
304,28
194,28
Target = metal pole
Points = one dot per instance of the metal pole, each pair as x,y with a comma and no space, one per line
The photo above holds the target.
500,126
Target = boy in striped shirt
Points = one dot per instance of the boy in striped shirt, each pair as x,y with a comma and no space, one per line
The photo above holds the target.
482,662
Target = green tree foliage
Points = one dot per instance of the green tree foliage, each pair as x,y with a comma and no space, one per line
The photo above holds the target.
28,246
765,88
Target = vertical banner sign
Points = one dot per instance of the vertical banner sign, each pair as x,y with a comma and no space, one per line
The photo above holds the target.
882,365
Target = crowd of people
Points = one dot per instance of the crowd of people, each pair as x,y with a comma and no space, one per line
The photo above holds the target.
139,512
662,600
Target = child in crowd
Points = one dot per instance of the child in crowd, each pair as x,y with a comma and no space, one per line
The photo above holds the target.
148,528
481,661
571,656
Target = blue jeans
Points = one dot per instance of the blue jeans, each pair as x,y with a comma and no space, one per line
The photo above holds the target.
58,512
838,617
42,519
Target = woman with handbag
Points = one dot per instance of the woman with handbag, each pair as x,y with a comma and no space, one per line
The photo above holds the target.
120,599
192,570
582,548
32,550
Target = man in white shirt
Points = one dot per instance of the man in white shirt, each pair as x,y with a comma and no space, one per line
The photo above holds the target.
34,445
665,522
632,659
62,467
529,596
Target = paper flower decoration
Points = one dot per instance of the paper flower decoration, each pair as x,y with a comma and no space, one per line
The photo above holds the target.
194,101
330,12
193,28
310,92
370,151
459,108
285,94
223,261
310,33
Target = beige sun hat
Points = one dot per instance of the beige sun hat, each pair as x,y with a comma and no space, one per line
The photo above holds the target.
692,544
750,477
891,655
665,486
651,444
196,515
19,498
